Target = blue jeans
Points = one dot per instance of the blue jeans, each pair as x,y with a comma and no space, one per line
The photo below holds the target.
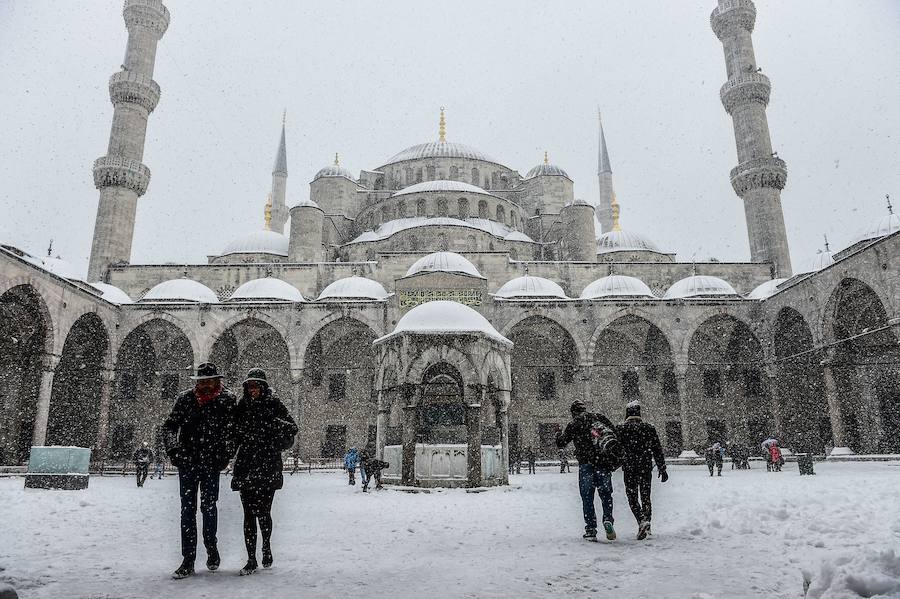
589,478
189,480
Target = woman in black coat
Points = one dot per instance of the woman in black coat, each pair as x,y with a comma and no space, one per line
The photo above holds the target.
263,429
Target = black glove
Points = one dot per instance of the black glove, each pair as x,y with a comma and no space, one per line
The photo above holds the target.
174,454
663,475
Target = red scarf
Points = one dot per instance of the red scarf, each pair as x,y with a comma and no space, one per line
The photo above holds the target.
205,398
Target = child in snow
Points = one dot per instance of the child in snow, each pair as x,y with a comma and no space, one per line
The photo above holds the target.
351,461
775,457
714,455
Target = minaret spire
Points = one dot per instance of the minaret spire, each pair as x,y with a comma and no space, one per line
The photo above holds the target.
604,175
276,208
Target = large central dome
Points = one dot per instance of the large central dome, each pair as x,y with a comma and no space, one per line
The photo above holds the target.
440,149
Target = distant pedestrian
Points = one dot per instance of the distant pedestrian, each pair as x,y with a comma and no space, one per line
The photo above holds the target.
564,462
351,461
199,442
143,455
159,469
515,460
714,455
531,459
775,457
370,468
641,447
263,428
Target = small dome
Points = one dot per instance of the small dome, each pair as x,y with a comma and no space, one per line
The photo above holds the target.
443,262
529,287
547,170
267,289
356,288
518,236
700,286
616,286
258,242
444,317
885,226
306,203
439,149
111,293
334,170
623,241
767,289
441,185
819,261
181,290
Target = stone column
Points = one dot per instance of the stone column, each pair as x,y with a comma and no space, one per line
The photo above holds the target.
586,383
296,411
835,412
504,436
381,425
685,403
410,417
473,437
42,413
107,377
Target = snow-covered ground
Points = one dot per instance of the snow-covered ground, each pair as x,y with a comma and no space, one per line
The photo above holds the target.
747,534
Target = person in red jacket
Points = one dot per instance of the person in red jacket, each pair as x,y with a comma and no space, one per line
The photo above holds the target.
775,457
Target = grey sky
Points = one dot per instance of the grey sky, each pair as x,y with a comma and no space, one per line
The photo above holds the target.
366,79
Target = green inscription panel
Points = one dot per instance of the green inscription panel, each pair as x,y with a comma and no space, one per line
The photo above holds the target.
410,298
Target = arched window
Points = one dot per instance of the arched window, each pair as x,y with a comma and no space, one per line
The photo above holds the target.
471,244
419,175
442,207
454,173
482,209
385,214
409,176
430,173
501,214
476,177
514,219
420,207
462,205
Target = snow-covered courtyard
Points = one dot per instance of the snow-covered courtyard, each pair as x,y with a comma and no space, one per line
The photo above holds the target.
747,534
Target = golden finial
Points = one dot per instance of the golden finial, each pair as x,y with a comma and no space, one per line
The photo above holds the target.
337,160
615,213
442,128
268,212
546,159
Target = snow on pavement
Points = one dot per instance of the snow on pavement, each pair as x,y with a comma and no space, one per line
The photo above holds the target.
746,534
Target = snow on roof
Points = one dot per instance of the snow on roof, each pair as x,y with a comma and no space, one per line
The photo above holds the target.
57,266
350,288
395,226
547,170
518,236
821,259
700,286
111,293
885,226
267,289
306,202
764,290
623,241
333,170
181,290
445,318
441,185
258,242
528,286
438,149
443,262
616,286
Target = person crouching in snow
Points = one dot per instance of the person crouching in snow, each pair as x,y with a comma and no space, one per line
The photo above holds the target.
263,428
714,455
641,447
595,466
370,467
351,461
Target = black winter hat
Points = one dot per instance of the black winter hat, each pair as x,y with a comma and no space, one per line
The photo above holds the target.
257,375
577,407
633,409
207,370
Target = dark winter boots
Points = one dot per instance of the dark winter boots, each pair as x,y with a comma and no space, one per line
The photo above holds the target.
266,555
643,530
184,570
212,559
249,568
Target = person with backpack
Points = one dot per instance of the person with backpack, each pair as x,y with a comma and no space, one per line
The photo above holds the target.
641,447
598,453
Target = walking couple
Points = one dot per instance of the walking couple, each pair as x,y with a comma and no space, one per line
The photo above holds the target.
208,425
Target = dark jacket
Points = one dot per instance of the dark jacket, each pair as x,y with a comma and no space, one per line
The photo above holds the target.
143,455
263,429
641,445
201,437
578,432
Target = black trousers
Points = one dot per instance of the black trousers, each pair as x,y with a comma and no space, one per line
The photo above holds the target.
257,504
637,489
140,471
190,479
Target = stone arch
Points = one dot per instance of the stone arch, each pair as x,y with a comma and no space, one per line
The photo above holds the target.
264,317
74,400
253,343
441,354
580,349
701,317
197,349
26,337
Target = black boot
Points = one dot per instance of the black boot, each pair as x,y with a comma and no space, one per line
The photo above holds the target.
249,567
266,555
212,559
184,570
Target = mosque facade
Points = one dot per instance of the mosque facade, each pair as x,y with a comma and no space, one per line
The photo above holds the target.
445,298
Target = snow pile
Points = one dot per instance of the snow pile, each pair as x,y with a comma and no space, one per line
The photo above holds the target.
864,574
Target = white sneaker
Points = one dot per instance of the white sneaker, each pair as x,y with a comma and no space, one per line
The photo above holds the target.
643,530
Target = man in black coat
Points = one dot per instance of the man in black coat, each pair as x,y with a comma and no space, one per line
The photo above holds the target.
142,458
595,467
641,446
199,442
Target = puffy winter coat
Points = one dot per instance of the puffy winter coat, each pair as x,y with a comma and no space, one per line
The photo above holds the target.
641,445
351,460
198,436
578,432
143,455
263,428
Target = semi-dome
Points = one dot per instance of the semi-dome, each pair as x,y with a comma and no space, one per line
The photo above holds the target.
529,287
443,262
440,149
700,286
624,241
544,169
334,170
885,226
764,290
616,286
267,289
111,293
258,242
441,185
354,288
445,318
181,290
821,259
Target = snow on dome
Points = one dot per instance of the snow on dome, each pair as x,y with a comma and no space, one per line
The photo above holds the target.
181,290
443,262
699,286
307,203
438,149
441,185
518,236
397,225
111,293
258,242
359,288
333,170
885,226
616,286
267,289
817,262
528,286
622,241
545,170
767,289
445,317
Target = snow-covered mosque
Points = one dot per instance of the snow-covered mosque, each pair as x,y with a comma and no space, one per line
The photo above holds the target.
447,309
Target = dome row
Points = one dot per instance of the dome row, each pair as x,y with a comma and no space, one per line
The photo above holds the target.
266,289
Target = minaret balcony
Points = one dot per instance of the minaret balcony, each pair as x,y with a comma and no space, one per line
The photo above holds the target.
151,14
730,16
118,171
743,89
757,173
133,88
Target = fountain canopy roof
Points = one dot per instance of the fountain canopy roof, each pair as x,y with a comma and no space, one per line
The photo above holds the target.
445,318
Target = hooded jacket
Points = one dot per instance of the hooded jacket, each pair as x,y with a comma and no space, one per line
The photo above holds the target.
641,444
263,428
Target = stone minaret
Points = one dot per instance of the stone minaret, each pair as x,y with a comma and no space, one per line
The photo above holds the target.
760,175
120,176
604,174
279,185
